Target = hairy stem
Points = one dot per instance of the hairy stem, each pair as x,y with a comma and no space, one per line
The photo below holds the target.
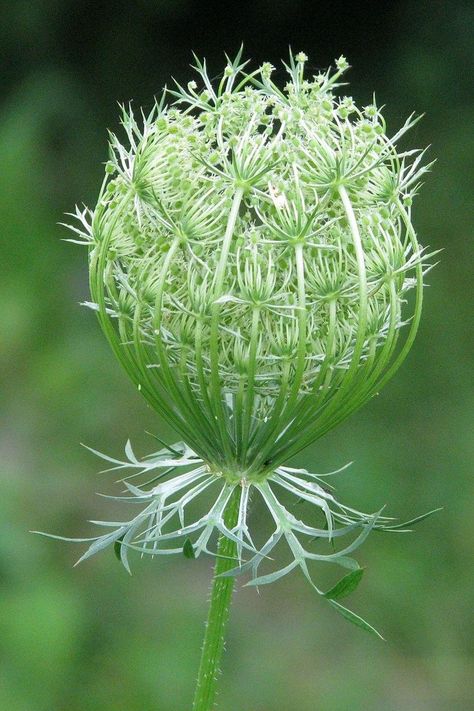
219,609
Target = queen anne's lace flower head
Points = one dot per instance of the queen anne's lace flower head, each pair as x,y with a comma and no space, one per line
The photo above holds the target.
252,260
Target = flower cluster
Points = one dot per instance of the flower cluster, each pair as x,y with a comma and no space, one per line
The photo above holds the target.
251,261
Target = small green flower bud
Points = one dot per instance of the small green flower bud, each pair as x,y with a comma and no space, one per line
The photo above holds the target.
342,64
301,57
266,70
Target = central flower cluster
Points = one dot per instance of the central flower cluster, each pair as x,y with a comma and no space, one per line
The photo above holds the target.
251,258
250,255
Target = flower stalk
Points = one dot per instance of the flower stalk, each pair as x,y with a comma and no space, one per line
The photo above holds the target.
218,615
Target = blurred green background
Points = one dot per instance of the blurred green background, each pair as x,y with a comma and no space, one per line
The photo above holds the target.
94,639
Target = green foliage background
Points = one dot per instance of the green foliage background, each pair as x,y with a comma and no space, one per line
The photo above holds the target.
94,639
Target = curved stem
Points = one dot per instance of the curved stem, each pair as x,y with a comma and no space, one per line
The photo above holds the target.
302,322
219,609
188,406
215,380
247,410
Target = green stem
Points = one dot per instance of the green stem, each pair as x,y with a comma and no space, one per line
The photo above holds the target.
219,609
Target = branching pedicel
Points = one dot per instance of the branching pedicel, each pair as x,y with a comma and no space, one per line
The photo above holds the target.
251,261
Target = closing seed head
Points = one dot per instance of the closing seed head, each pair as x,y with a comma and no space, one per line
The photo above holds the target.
251,255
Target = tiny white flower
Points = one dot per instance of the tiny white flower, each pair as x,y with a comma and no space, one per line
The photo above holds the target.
278,198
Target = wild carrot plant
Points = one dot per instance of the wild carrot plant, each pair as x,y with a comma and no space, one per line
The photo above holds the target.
254,267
